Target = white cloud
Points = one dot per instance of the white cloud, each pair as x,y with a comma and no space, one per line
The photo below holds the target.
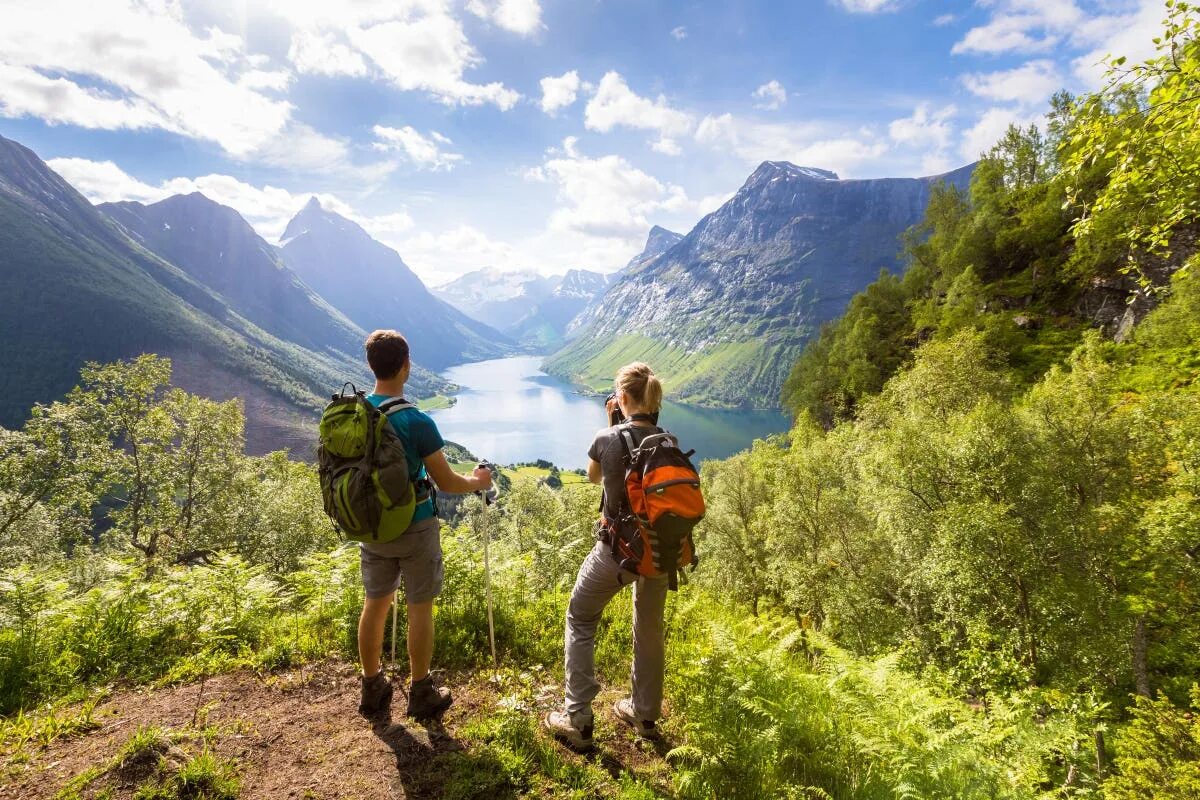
122,65
522,17
266,80
559,92
425,152
809,145
944,20
1034,26
709,204
679,34
26,92
929,132
1023,26
430,52
1130,35
925,128
322,53
104,181
1060,27
417,45
605,197
1030,84
868,6
992,125
440,257
300,148
267,208
615,104
770,96
667,146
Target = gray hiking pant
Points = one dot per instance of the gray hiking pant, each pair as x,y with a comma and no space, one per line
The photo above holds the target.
598,582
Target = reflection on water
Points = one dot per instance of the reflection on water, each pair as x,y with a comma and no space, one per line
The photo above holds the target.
509,411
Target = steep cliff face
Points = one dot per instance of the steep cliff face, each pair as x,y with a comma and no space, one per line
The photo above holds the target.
724,312
659,241
75,287
370,283
217,247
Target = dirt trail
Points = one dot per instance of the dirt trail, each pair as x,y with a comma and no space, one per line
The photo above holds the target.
296,734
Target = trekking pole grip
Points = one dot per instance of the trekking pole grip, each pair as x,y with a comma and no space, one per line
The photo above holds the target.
489,496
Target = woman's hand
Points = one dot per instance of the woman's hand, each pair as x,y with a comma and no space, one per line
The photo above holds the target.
610,407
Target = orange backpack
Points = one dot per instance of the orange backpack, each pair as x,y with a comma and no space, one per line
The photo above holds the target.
663,503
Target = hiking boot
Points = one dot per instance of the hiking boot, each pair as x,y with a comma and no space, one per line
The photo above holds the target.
426,701
574,730
376,694
644,727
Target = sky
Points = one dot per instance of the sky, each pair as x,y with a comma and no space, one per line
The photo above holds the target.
528,134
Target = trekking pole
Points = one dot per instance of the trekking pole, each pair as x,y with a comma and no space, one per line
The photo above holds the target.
489,498
395,610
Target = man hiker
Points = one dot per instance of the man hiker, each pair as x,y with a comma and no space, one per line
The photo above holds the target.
415,558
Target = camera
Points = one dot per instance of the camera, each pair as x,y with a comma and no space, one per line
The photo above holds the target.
615,417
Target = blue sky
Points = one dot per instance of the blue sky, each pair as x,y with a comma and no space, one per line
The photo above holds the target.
528,134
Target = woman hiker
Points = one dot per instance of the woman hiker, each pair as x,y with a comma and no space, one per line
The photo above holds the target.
638,396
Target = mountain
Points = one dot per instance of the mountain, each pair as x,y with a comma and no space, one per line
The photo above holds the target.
370,283
659,241
218,248
530,308
500,298
723,313
76,287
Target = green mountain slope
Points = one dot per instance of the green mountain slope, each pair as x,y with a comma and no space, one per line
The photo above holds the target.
74,287
213,244
722,314
370,283
999,259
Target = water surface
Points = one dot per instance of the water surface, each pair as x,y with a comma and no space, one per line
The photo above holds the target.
509,411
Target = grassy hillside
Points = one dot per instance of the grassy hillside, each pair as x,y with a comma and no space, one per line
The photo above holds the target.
725,311
75,288
708,377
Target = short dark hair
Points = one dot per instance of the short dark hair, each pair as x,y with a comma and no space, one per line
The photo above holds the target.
387,353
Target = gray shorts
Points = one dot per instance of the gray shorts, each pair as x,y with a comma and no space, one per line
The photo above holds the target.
416,557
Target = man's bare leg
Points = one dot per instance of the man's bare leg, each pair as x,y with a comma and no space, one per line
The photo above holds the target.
370,633
420,639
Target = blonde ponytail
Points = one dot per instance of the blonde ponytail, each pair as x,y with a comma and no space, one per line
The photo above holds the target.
641,385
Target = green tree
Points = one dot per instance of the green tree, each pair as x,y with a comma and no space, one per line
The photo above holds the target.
1141,131
1158,753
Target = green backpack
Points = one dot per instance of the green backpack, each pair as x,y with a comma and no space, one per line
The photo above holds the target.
365,482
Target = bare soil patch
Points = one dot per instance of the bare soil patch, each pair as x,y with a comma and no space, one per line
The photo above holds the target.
297,734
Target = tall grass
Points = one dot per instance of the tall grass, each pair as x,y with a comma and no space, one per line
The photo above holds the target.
66,628
759,707
769,710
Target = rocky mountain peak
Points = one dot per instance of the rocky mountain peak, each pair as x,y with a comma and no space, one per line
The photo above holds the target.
785,170
315,216
744,290
659,241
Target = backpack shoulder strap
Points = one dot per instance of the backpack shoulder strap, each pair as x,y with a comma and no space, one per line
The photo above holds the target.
389,407
630,446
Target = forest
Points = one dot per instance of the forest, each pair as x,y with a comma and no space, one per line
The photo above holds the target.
970,570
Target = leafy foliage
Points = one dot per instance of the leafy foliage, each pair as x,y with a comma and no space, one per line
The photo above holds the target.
1141,132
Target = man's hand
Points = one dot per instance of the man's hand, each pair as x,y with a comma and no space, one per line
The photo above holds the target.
483,479
451,482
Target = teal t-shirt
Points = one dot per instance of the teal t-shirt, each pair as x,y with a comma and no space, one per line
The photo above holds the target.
421,438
